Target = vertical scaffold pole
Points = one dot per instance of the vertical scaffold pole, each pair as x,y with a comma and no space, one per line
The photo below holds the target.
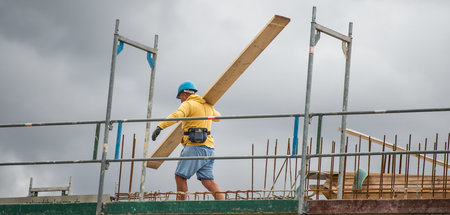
312,42
347,48
147,126
108,118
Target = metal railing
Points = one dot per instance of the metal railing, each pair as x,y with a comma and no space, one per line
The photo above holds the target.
294,155
261,116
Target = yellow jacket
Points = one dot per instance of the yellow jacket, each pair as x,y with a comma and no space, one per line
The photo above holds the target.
194,106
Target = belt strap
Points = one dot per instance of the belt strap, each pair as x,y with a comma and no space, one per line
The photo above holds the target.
187,133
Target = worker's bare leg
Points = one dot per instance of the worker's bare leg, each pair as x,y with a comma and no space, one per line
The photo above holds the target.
181,187
214,188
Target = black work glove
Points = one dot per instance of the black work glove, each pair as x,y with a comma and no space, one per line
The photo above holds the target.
156,133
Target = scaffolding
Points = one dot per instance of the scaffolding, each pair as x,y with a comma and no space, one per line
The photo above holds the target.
152,54
439,189
348,184
316,30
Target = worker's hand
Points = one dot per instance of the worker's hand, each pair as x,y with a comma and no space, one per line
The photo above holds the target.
156,133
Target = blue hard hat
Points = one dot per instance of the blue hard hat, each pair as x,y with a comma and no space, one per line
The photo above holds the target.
187,85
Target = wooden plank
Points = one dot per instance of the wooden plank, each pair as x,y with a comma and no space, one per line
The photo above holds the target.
416,187
391,146
166,147
247,56
220,87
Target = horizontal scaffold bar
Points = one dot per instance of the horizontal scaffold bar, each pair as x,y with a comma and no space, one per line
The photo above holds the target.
222,157
230,117
333,33
137,45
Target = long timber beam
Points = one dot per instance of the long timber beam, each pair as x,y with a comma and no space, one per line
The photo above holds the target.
220,87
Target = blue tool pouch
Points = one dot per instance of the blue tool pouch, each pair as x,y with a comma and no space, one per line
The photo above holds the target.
197,135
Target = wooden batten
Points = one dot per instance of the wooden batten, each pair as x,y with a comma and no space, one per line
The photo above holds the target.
247,56
380,186
166,147
231,74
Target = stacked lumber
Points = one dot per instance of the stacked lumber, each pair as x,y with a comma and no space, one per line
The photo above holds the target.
379,186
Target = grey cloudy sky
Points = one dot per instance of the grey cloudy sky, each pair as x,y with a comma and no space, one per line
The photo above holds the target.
56,56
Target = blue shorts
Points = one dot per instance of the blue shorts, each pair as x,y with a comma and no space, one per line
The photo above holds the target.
203,168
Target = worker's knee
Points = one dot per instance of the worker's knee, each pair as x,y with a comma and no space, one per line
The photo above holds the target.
179,178
208,182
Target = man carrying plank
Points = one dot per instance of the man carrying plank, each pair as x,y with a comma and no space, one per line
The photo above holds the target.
224,82
196,140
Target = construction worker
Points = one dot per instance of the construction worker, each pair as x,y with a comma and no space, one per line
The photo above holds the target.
196,140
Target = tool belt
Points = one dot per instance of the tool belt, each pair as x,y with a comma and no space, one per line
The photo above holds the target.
197,135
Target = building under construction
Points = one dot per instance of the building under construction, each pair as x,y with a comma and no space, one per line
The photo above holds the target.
360,174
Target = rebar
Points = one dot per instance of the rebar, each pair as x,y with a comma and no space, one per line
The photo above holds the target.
319,167
285,172
333,147
120,168
296,167
383,169
433,170
279,173
290,166
359,165
407,160
423,166
368,167
132,163
168,196
354,170
400,164
384,157
308,167
394,163
265,171
446,158
275,161
253,165
418,167
309,152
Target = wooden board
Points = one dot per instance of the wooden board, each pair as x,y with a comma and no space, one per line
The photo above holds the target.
247,56
166,147
231,74
376,186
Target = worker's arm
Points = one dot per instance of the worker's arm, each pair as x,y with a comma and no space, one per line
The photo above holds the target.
183,111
